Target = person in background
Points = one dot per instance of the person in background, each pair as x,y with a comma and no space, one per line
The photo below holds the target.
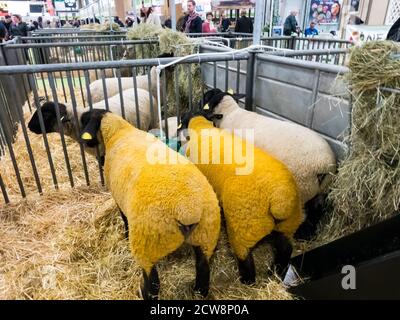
129,22
3,31
244,24
35,26
40,22
311,31
353,19
208,25
394,32
118,21
192,22
18,27
290,25
7,24
224,23
168,23
152,17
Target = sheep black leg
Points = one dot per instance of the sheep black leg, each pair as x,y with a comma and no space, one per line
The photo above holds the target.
314,210
283,251
247,269
202,284
151,285
124,218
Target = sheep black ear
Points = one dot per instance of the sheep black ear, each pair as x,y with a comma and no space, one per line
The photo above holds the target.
238,96
91,121
166,55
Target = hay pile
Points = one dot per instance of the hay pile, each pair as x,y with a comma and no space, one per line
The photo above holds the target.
144,31
69,244
178,44
367,187
104,27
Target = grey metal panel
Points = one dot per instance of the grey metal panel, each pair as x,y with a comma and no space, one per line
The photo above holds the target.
296,76
331,116
331,83
286,100
339,148
208,76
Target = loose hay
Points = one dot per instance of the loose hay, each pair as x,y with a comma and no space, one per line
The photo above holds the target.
367,187
179,44
69,244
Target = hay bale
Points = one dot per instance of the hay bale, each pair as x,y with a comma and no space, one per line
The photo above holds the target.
366,189
144,31
106,27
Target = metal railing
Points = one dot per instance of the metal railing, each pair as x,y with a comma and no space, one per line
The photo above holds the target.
70,83
83,51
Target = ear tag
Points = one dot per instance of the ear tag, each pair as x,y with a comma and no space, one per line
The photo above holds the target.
206,107
86,136
180,126
230,91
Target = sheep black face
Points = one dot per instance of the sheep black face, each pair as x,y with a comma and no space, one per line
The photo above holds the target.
91,121
185,119
48,110
212,98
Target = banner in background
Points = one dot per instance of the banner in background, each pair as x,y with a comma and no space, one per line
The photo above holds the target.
361,33
3,8
325,11
232,4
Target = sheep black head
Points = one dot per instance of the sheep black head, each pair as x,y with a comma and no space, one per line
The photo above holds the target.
90,122
48,110
186,117
212,98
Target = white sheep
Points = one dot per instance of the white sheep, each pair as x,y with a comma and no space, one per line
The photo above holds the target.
112,86
71,127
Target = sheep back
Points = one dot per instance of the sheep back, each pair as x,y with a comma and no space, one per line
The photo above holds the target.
155,197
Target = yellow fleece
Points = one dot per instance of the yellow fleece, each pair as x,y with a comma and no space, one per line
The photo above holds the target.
156,197
255,204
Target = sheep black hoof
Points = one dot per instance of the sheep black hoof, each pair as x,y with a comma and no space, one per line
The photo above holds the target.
247,271
247,280
146,296
281,272
203,291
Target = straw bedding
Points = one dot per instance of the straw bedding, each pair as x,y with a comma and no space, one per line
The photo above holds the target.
367,187
68,244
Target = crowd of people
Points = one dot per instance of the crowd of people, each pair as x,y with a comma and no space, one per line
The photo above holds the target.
191,22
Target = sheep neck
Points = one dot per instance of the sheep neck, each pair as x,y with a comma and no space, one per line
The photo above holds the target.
227,105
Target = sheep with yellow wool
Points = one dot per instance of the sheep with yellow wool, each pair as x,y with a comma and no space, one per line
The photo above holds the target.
163,197
258,194
307,155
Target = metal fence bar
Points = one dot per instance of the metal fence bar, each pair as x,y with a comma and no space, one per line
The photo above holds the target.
27,142
64,145
149,84
136,97
77,128
121,96
3,190
42,127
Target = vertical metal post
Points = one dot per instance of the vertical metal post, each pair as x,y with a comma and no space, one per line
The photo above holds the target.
172,8
250,81
109,14
258,21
